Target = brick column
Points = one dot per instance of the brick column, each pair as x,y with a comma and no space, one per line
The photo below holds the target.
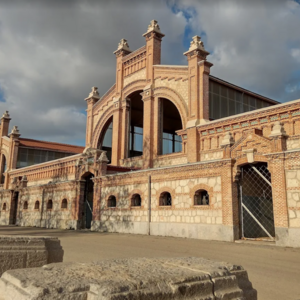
280,207
90,100
157,130
124,134
116,132
198,70
148,127
230,213
193,144
153,47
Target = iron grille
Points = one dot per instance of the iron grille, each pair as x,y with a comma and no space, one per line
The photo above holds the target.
256,202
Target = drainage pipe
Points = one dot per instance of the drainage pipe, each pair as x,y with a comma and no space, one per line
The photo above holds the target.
149,205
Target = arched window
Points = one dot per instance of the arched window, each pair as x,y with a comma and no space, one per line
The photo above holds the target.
106,139
4,206
25,205
49,204
64,203
201,197
112,201
170,123
37,205
136,200
165,199
136,124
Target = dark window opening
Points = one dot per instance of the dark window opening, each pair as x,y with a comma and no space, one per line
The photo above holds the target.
4,206
25,206
165,199
136,124
136,200
201,197
49,204
3,169
28,157
106,143
170,123
112,201
37,205
64,203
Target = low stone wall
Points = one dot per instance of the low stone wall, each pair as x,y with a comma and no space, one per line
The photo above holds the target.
134,279
18,252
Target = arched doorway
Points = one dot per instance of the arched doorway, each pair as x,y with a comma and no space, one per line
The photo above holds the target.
106,138
14,208
3,168
170,122
256,202
136,124
87,205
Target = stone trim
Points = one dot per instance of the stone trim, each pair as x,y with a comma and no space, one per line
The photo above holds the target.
142,195
159,192
210,192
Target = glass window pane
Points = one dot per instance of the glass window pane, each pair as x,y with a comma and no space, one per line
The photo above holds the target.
138,142
231,106
224,108
178,147
167,146
216,88
223,91
138,129
167,135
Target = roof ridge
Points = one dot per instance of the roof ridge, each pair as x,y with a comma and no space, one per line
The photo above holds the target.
51,142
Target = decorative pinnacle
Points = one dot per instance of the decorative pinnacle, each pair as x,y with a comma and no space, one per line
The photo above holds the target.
153,26
93,94
15,131
197,44
6,115
123,45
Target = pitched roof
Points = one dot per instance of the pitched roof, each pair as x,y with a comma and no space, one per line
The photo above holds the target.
52,146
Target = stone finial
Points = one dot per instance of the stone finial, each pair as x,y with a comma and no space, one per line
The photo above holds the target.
15,131
277,130
6,115
153,26
103,158
123,45
94,92
227,140
197,44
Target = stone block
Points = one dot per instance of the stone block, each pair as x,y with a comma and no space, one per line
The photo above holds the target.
28,252
142,278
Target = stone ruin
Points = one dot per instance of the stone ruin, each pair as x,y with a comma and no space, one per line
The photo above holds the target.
130,279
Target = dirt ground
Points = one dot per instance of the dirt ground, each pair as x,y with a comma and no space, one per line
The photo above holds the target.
273,271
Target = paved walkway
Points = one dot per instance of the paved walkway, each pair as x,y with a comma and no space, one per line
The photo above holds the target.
274,271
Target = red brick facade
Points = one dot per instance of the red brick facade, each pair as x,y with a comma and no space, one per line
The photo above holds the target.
212,156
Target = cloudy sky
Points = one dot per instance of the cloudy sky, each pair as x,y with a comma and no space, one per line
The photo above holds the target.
53,52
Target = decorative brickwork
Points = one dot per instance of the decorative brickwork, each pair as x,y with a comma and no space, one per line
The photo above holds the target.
210,157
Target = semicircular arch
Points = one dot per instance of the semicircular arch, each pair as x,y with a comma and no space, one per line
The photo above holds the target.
100,126
176,99
133,87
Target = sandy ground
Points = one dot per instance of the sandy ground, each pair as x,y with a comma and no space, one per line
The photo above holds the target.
273,271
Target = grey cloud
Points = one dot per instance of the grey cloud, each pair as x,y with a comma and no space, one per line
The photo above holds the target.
251,42
52,53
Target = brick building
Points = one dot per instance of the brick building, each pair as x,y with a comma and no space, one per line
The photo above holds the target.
170,150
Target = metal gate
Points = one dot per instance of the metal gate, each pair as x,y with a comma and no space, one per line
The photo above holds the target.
256,203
